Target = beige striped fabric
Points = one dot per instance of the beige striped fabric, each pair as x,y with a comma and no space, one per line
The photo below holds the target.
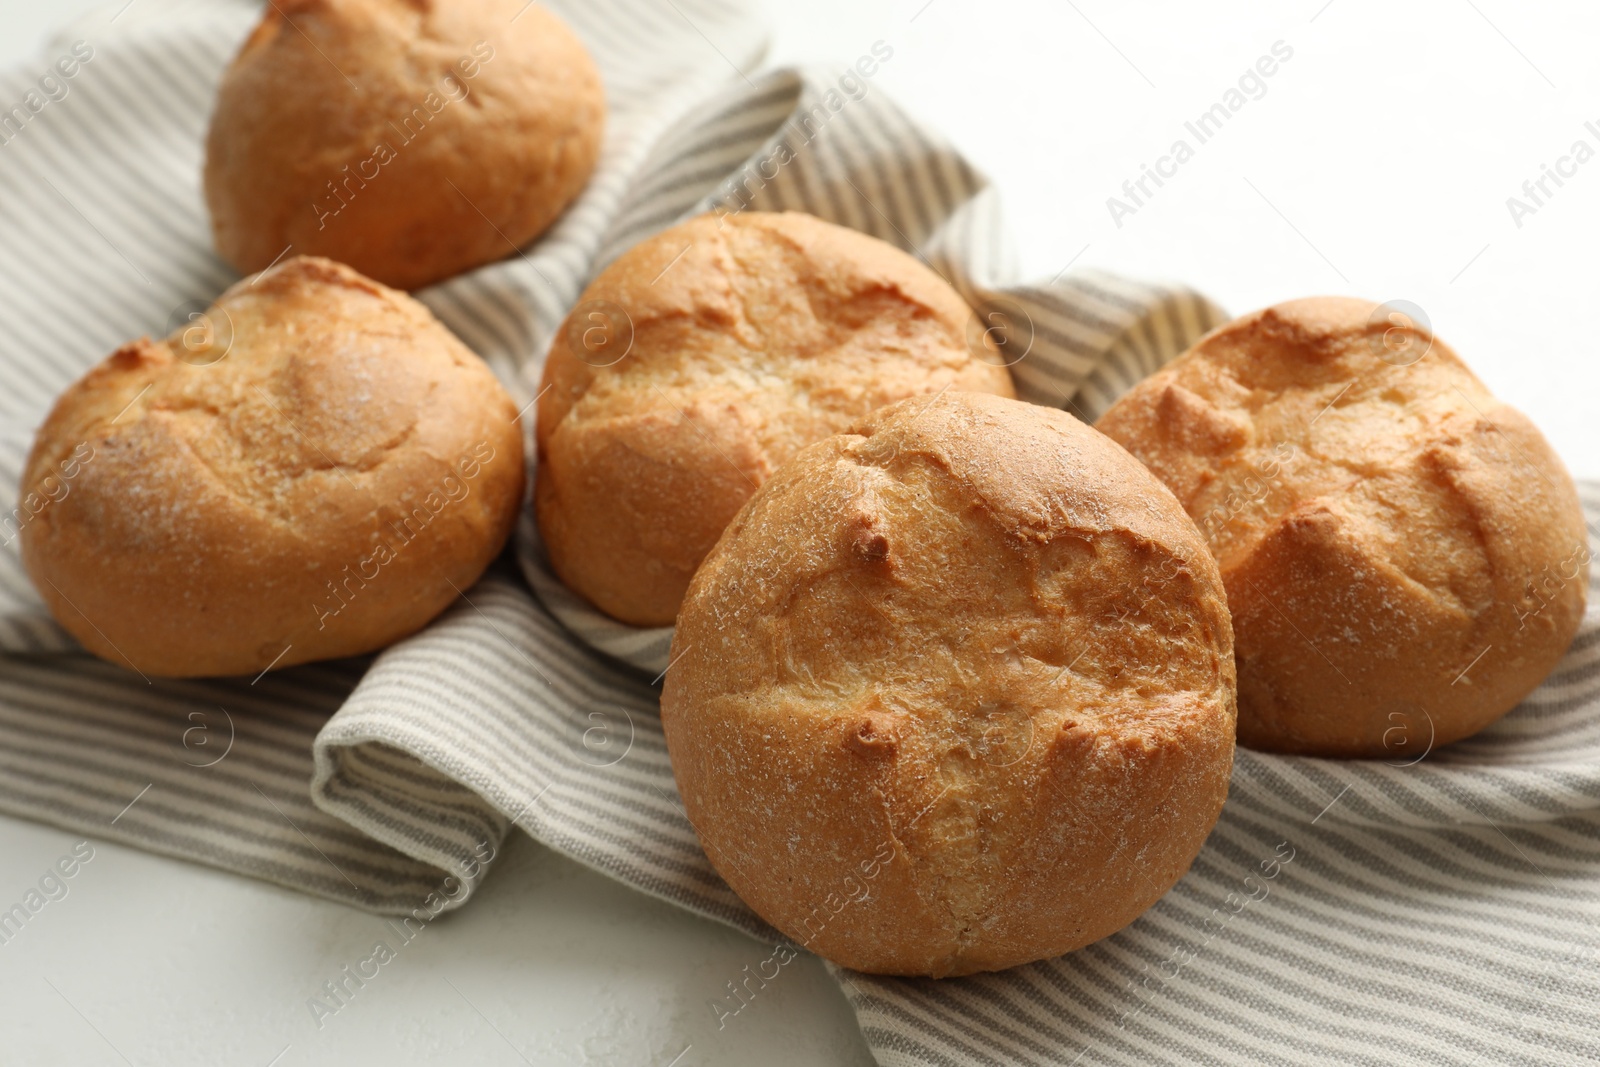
1441,912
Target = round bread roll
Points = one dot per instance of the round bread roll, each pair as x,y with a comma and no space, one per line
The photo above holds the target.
954,691
1405,556
699,362
411,139
314,468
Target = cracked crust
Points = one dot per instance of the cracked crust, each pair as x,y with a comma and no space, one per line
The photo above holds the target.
968,664
752,336
411,139
206,501
1405,556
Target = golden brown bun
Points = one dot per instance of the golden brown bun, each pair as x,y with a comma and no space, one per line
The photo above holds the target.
1405,556
751,337
324,485
411,139
969,664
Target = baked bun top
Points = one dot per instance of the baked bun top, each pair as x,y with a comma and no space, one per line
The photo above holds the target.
411,139
1380,518
701,361
318,464
971,656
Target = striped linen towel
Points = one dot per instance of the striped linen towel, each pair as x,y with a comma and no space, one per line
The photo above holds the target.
1438,912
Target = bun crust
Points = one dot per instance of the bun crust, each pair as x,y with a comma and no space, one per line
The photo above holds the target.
326,484
733,344
1405,556
954,691
411,139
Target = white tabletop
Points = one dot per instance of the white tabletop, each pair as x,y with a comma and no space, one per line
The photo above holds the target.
1377,161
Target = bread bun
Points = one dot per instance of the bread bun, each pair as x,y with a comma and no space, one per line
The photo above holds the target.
411,139
699,362
1405,556
954,691
313,469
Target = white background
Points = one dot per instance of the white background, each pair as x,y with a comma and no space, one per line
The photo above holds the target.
1378,163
